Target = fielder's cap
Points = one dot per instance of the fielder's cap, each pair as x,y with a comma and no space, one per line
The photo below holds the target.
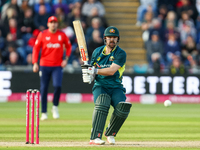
52,18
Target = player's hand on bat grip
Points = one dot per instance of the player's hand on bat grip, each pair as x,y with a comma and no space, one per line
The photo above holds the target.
85,68
92,71
87,78
88,73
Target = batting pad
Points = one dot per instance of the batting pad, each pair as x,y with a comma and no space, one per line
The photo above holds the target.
100,114
118,117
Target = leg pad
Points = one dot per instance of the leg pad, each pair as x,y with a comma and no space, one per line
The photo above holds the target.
118,117
100,114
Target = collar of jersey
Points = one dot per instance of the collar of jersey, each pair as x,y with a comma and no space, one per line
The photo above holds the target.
103,52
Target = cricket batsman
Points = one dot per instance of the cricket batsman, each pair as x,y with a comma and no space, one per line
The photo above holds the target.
51,43
107,67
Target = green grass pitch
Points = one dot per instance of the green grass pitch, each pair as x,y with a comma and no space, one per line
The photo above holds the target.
146,123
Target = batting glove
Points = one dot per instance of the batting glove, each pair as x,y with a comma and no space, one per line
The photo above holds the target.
92,71
85,68
87,78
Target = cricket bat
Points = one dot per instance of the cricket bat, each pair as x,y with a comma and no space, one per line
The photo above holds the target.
81,41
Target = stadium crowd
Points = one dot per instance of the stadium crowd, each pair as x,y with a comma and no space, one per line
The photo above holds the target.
171,33
22,20
171,29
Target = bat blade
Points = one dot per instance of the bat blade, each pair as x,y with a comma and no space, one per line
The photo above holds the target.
81,41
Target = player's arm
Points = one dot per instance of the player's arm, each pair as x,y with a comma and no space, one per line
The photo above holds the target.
109,71
90,73
36,50
116,65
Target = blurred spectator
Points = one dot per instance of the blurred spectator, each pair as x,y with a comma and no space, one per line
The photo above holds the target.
46,1
61,4
96,24
155,51
198,6
156,26
184,18
27,25
2,2
68,30
0,59
198,33
95,42
11,46
2,42
198,29
89,4
31,42
55,2
41,18
29,59
46,4
189,52
13,28
162,14
11,13
76,15
187,30
30,2
170,4
145,6
177,68
171,29
94,14
62,18
14,59
171,17
190,9
147,25
12,4
25,5
171,49
69,3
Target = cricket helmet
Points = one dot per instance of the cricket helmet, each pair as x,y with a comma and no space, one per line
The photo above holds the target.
111,31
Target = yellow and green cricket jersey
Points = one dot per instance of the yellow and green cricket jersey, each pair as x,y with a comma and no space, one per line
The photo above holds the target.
102,60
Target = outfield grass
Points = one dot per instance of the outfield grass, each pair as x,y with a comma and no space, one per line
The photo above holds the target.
180,122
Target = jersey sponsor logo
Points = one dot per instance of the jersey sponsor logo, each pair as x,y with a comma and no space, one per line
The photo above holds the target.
51,45
59,38
111,58
104,66
48,38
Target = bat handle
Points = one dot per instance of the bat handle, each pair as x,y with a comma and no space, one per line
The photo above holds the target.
85,63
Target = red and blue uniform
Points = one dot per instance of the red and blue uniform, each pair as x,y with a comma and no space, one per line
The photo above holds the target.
52,54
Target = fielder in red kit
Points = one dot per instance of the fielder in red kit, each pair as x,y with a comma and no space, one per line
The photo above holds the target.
51,43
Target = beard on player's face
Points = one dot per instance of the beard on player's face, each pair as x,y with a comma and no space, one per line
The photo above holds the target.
112,44
54,29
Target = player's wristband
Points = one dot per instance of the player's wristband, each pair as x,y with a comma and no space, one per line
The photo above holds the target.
85,66
96,71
